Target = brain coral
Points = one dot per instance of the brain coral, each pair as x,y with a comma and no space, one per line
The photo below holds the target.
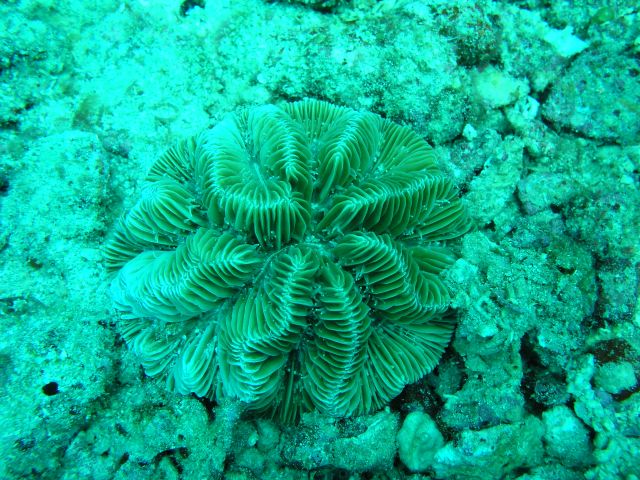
289,258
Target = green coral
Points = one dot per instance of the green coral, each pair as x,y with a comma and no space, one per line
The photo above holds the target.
290,258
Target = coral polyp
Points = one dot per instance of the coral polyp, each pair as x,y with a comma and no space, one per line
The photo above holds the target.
290,258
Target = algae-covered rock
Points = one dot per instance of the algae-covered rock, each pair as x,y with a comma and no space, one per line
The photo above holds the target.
593,409
150,440
541,58
597,97
418,441
495,88
478,405
618,458
491,191
566,438
472,26
366,443
619,285
614,377
541,190
55,359
31,55
491,453
316,4
551,472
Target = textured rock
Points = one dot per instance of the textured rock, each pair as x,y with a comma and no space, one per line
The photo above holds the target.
418,441
493,452
566,438
361,444
496,89
615,377
597,97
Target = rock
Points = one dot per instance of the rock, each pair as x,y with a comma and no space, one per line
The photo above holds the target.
418,441
564,42
365,443
566,437
615,377
597,97
495,88
492,452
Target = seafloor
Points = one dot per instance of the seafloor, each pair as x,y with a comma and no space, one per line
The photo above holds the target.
534,109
